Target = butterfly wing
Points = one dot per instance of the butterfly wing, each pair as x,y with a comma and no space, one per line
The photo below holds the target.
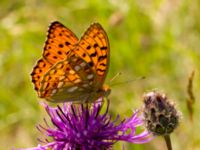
69,70
94,48
39,70
67,81
60,41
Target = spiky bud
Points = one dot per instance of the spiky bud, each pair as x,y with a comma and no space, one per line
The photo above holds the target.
161,116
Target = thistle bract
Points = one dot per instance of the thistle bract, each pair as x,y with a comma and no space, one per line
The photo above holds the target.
161,116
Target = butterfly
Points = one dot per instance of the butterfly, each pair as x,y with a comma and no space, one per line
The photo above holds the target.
71,69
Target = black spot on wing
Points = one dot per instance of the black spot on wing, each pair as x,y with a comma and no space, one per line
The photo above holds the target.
93,54
100,70
47,54
83,54
55,57
102,64
61,45
88,47
102,57
103,48
67,43
96,45
59,52
91,63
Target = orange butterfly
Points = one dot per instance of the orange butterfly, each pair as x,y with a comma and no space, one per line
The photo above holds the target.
72,69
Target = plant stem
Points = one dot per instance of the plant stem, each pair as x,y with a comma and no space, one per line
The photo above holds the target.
168,142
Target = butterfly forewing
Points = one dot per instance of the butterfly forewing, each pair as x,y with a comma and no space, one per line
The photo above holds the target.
93,47
60,41
67,80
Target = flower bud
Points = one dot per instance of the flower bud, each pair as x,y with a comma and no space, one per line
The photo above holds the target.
161,116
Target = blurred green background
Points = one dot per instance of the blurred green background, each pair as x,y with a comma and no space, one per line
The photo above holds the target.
157,39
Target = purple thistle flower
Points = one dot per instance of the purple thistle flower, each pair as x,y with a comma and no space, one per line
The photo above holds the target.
76,127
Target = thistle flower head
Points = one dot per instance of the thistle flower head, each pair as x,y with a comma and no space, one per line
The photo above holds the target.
76,127
161,116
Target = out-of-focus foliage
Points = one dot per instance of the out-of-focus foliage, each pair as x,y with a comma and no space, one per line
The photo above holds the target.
156,39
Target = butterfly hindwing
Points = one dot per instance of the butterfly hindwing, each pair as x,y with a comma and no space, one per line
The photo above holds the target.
68,80
38,72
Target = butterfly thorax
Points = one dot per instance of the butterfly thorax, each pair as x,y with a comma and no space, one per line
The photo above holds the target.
100,93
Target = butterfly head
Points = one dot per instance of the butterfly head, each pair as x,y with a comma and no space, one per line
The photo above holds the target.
106,90
100,93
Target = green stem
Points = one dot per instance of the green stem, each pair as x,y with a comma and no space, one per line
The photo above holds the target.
168,142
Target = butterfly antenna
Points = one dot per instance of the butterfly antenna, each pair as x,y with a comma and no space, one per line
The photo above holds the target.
113,78
128,81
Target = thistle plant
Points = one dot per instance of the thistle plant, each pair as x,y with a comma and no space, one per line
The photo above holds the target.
79,127
161,116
